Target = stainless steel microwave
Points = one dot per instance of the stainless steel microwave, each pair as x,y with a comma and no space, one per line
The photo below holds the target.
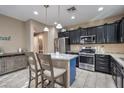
88,39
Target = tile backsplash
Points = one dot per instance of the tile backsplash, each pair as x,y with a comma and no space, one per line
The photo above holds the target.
109,48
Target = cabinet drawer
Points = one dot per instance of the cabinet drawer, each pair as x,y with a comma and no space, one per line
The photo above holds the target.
102,63
102,69
102,59
102,56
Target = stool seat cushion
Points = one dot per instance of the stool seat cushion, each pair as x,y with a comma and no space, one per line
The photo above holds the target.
57,72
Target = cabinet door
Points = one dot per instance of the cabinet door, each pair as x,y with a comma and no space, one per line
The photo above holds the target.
83,32
119,78
102,63
74,37
111,33
71,36
91,31
9,64
2,66
122,30
100,34
77,36
20,62
63,34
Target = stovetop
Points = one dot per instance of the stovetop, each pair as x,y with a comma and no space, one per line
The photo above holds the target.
88,50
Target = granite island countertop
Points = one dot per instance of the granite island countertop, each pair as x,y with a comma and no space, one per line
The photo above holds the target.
63,56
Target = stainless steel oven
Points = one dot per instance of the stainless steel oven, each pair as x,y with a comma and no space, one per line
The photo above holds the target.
87,61
87,58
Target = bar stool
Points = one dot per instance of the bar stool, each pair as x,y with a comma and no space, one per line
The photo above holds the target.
51,73
34,69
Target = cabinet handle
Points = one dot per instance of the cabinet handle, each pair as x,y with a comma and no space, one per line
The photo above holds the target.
101,62
101,56
121,39
102,67
104,40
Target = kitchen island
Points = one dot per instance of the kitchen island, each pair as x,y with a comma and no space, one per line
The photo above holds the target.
68,62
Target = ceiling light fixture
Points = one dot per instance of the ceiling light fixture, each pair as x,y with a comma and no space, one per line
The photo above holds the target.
59,26
46,29
36,13
100,9
73,17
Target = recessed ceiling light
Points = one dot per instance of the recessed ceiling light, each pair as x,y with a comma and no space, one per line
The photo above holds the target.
55,23
73,17
100,9
36,13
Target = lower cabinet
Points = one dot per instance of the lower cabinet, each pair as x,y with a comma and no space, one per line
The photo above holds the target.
20,62
2,70
12,63
9,64
117,75
102,63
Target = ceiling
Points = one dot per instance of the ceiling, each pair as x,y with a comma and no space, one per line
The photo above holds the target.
83,13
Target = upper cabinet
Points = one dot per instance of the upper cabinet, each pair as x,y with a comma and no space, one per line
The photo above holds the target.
63,34
83,32
105,34
122,30
100,32
74,36
111,32
91,31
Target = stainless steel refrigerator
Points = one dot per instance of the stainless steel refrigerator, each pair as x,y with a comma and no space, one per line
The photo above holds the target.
62,45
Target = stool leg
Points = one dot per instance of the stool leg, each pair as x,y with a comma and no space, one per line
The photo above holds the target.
53,84
29,79
42,81
36,81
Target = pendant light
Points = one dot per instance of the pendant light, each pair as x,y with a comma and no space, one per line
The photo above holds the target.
59,26
46,29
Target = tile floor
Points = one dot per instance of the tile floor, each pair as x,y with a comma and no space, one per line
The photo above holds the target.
84,79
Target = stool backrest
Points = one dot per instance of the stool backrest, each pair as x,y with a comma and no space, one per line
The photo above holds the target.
32,61
46,62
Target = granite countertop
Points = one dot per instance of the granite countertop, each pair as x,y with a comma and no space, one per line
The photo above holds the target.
63,56
11,54
76,52
117,58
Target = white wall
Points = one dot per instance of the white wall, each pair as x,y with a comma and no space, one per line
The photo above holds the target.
15,29
22,34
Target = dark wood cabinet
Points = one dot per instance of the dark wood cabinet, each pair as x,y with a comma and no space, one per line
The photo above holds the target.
105,34
122,31
74,36
100,32
102,63
117,75
63,34
83,32
111,33
91,31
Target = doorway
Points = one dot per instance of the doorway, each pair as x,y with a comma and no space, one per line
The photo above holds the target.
40,42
